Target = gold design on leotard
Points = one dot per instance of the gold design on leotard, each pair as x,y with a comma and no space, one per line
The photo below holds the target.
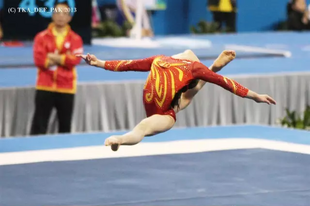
181,74
173,65
159,78
149,96
154,75
118,65
158,101
232,82
225,80
159,88
163,64
176,65
128,62
172,84
160,83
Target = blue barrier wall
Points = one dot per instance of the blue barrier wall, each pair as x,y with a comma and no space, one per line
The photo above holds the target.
105,2
253,15
258,15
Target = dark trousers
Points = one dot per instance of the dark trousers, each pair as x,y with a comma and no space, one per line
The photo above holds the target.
295,23
44,103
227,18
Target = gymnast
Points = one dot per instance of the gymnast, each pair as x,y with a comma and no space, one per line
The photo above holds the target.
170,87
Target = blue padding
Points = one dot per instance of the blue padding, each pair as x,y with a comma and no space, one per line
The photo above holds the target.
236,177
80,140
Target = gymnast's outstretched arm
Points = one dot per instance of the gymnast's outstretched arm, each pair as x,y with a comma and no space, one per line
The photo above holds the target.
200,71
141,65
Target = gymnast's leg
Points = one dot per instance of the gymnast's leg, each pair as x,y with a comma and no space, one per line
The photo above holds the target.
149,126
222,60
186,55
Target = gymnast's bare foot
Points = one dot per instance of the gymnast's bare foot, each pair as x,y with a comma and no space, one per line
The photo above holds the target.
114,142
225,58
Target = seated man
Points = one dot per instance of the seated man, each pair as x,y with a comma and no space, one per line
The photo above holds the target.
297,15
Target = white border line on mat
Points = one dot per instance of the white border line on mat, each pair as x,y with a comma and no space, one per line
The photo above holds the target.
286,54
147,149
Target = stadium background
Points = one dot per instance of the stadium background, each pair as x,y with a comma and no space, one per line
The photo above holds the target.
234,151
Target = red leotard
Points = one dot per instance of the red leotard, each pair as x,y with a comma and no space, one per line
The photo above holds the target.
167,76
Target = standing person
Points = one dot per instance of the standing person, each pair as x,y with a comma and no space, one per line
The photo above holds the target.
54,55
128,9
96,17
224,11
1,19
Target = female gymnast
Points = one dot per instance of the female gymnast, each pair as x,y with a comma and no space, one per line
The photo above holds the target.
170,87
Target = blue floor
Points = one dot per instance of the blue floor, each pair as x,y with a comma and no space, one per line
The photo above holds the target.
79,140
297,43
293,41
237,177
234,177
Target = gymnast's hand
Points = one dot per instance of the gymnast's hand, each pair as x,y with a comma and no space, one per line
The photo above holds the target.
260,98
89,59
264,98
